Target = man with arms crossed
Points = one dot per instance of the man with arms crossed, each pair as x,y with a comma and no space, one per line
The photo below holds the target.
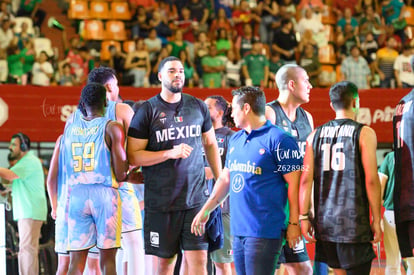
341,160
165,137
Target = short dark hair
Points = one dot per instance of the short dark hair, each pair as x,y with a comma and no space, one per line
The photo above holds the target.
93,96
223,105
254,96
342,94
24,139
101,75
165,60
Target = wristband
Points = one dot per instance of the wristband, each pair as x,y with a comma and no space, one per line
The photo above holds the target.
292,223
304,217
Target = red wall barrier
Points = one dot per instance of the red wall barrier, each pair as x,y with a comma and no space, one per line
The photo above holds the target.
41,112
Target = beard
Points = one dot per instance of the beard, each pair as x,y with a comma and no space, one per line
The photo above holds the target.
174,89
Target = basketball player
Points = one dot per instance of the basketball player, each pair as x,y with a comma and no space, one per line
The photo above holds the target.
94,150
262,172
131,241
403,124
220,114
341,160
165,137
285,112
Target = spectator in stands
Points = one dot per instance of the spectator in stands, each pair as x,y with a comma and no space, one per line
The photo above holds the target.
28,56
199,11
355,68
153,44
403,71
65,77
268,11
287,10
275,63
177,44
244,42
213,66
84,65
5,12
6,33
369,50
306,39
117,62
161,26
139,23
24,35
224,42
232,70
15,64
339,6
393,14
220,22
313,23
30,8
4,70
187,25
310,62
191,76
167,9
370,22
285,43
242,16
364,4
201,49
138,64
255,66
384,63
315,5
347,19
42,70
345,41
154,81
226,5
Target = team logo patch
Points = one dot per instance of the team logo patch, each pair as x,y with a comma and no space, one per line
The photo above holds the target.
237,183
162,114
262,151
284,123
178,119
220,140
155,239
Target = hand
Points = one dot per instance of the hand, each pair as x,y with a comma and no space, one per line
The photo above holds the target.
209,173
376,230
308,231
293,235
53,214
198,226
180,151
135,176
381,75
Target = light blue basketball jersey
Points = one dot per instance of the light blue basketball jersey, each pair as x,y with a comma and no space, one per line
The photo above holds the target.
87,157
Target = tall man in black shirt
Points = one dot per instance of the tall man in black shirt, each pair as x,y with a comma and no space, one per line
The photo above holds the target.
341,160
165,137
403,124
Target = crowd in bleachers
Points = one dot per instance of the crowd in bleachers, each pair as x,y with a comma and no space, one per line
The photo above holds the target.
221,43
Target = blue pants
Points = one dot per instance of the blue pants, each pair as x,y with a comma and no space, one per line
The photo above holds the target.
256,256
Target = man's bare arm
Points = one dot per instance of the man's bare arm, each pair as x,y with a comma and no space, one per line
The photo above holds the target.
52,177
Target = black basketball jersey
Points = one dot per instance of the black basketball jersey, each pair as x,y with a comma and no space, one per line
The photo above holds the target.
223,136
175,184
299,129
341,202
403,124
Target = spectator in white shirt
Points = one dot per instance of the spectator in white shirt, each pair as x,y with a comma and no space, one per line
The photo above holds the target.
403,71
42,70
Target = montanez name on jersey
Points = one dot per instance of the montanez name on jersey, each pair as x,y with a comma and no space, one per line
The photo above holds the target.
173,133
